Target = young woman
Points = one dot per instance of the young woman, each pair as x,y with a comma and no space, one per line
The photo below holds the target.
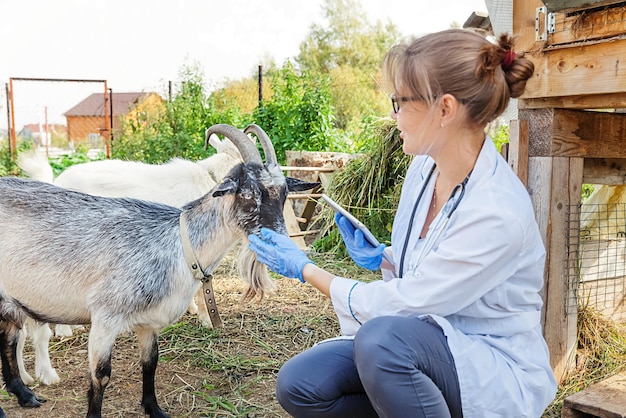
453,328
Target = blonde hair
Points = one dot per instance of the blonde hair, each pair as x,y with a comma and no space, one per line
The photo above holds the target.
480,74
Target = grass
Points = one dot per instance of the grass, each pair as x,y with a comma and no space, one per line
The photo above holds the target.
601,350
601,353
231,371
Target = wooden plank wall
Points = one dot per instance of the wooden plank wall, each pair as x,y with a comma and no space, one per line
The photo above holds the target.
579,66
568,63
567,146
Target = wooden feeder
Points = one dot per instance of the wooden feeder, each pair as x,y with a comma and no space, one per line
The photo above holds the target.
570,131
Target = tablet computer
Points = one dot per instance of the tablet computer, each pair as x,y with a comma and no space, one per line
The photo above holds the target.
354,221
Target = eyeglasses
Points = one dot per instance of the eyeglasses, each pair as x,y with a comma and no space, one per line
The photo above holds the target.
395,101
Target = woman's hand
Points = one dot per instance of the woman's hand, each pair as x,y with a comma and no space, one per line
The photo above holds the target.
279,253
362,252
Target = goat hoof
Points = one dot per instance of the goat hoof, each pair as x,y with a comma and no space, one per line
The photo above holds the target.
31,402
50,380
62,330
48,377
25,396
154,412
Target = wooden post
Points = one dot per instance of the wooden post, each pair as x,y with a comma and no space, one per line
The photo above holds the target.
518,149
552,200
293,227
107,122
260,85
12,134
555,180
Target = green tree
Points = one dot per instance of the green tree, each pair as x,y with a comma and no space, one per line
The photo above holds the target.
244,93
298,115
178,130
350,50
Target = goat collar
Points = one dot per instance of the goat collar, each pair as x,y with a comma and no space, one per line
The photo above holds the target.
199,273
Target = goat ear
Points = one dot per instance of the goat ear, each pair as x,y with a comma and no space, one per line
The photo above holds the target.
227,185
297,185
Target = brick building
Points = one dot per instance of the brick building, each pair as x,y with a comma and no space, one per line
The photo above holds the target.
86,123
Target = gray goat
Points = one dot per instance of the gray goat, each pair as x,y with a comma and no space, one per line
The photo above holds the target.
122,264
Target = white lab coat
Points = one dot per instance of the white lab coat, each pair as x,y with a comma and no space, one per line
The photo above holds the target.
479,282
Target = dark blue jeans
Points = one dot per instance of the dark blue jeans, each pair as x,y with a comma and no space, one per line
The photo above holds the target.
395,367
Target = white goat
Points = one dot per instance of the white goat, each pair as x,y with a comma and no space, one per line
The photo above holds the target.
174,183
120,264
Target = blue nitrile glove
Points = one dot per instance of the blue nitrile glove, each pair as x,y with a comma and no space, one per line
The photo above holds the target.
362,252
279,253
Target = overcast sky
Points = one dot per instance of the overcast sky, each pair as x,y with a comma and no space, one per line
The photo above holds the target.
137,45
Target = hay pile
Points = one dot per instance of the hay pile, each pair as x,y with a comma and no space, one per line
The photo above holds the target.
369,187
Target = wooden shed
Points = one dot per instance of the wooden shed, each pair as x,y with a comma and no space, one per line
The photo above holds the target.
570,131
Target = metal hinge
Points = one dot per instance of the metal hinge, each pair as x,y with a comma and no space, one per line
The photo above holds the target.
544,25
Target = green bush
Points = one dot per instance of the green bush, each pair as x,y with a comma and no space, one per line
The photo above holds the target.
7,165
500,135
298,116
62,162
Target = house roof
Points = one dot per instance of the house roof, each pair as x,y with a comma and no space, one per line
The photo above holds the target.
36,127
93,105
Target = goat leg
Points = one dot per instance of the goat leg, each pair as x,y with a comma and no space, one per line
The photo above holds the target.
40,334
101,341
95,394
149,348
9,334
26,377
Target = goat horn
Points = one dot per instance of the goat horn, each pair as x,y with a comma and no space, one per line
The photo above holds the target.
266,143
246,148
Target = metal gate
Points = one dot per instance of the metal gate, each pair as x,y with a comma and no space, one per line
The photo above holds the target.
59,114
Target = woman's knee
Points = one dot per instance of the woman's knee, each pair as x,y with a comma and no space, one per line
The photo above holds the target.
378,334
373,343
392,341
288,381
317,377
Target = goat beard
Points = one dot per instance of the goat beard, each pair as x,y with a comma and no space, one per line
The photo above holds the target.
255,274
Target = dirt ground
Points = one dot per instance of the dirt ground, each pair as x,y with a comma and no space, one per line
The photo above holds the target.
230,372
